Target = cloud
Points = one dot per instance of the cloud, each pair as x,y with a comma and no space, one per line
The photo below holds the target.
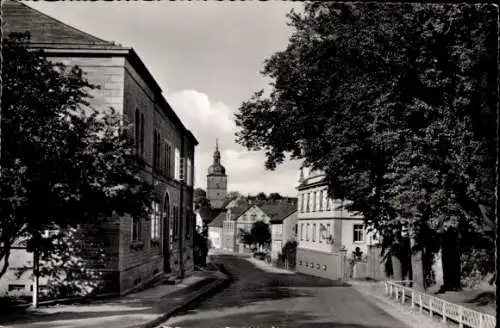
209,120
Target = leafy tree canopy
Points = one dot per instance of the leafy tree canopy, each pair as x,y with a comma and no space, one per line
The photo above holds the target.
395,102
63,162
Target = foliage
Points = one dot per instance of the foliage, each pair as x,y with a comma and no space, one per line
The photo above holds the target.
260,234
233,195
246,237
396,103
200,199
201,245
288,254
63,162
275,196
261,196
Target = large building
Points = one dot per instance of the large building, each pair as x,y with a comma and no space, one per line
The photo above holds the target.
326,231
139,251
217,181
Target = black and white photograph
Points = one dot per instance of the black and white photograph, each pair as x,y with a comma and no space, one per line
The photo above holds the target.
237,164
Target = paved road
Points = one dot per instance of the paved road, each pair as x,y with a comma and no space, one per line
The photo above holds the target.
257,298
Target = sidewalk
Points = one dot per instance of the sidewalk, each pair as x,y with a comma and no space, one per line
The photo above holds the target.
267,266
412,318
143,309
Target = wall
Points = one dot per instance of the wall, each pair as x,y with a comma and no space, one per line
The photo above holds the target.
216,190
320,243
215,236
107,72
320,264
19,258
289,227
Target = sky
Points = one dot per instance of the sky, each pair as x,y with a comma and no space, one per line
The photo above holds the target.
207,58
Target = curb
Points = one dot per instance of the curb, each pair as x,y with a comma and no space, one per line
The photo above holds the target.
219,283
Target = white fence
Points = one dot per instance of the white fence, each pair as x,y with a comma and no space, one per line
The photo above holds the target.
451,312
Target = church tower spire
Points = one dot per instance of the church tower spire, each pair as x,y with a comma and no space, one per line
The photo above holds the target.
216,180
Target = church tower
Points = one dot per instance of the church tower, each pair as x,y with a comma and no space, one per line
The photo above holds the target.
216,181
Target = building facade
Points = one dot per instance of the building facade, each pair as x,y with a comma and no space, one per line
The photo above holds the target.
283,228
216,181
139,250
326,231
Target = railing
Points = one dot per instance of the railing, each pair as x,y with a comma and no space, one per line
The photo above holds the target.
450,312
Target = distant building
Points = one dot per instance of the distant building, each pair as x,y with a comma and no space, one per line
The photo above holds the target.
217,181
140,250
325,228
283,225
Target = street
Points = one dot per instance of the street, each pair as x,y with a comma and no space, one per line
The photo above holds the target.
257,298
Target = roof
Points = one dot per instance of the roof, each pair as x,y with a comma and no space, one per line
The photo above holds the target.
279,211
238,211
217,222
58,38
19,17
209,214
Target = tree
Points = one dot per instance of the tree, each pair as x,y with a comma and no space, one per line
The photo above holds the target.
260,234
246,237
200,199
233,195
63,162
275,196
261,196
396,104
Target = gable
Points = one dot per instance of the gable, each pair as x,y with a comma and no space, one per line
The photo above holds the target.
253,212
19,17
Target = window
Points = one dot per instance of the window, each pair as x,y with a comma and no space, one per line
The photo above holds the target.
358,233
137,131
313,205
165,159
169,161
182,169
156,153
325,200
302,231
136,229
329,205
320,208
314,233
189,173
318,199
296,229
308,196
142,135
307,232
253,217
155,222
177,162
15,287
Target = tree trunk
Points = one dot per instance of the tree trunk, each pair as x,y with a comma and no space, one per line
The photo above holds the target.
451,261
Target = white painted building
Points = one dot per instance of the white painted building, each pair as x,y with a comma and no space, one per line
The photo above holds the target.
325,227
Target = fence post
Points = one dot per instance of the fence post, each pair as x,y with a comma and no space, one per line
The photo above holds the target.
430,306
412,299
386,288
403,295
444,311
390,290
397,293
460,317
481,321
420,301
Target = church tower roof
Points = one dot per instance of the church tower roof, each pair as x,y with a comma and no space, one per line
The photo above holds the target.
216,168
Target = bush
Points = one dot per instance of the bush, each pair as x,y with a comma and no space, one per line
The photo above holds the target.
289,254
259,255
